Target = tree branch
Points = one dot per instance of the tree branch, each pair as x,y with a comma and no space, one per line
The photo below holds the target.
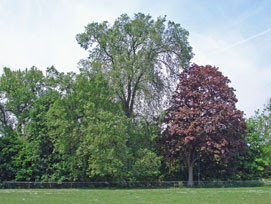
134,92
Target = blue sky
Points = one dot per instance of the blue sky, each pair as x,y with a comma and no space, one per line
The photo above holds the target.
234,35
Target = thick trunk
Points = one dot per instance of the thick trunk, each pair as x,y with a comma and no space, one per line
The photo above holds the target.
190,175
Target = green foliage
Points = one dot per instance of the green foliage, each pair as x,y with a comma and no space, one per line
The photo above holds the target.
103,152
9,148
35,160
145,163
140,57
69,118
20,89
71,127
256,163
146,166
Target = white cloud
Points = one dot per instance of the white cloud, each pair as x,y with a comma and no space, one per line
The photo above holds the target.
231,46
42,33
239,64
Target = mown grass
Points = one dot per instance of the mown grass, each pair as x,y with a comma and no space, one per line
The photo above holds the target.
247,195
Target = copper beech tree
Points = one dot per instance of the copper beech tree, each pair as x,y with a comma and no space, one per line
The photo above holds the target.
202,119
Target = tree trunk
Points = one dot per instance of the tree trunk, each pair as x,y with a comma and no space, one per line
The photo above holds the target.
190,174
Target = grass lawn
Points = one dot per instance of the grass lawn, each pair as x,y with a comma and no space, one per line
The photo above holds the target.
247,195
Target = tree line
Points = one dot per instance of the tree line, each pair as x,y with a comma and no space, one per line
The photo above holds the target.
136,110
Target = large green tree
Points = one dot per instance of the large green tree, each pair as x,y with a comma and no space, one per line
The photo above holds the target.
140,57
72,120
94,137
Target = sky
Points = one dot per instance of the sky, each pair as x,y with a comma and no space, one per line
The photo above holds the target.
234,35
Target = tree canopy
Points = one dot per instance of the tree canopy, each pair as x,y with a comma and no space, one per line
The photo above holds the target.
141,58
203,118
